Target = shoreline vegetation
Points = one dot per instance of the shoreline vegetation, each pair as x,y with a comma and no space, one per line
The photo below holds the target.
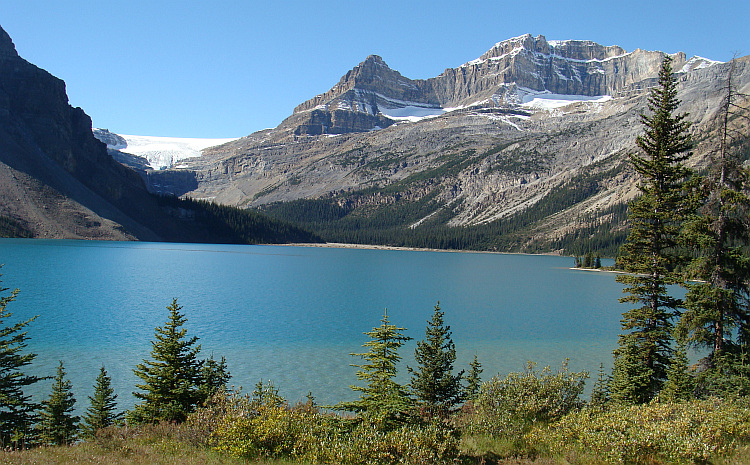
342,245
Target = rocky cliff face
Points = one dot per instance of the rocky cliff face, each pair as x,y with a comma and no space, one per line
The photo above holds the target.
567,67
361,101
372,95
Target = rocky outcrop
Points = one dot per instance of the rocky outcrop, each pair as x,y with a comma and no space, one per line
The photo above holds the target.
372,77
568,68
360,101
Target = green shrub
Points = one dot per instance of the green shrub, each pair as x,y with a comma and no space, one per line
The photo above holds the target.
259,427
510,406
672,432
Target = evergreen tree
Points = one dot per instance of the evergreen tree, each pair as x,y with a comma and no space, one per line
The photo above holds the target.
717,293
680,383
266,394
598,261
729,375
58,426
382,400
600,393
17,411
648,256
473,379
588,260
631,378
170,388
101,413
214,377
433,383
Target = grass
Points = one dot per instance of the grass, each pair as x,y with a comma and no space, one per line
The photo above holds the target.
158,444
169,444
134,447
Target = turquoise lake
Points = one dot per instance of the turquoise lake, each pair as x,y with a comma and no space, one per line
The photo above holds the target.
292,315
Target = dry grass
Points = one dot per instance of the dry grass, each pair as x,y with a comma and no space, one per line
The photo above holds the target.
169,444
158,444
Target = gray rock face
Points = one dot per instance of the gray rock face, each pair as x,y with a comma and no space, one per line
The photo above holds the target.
568,68
359,100
365,96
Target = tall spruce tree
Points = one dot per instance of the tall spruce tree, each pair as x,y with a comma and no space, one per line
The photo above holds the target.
382,401
170,389
101,413
58,426
17,411
433,383
648,254
719,278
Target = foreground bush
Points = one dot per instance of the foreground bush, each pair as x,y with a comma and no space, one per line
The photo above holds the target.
686,432
252,427
510,406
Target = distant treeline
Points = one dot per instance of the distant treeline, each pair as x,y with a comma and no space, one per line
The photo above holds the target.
12,228
225,224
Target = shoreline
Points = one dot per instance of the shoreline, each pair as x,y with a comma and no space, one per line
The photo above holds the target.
343,245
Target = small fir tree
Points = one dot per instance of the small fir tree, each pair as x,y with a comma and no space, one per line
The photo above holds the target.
58,426
214,377
17,411
433,383
266,395
680,383
170,389
600,396
655,218
101,413
473,379
382,401
631,378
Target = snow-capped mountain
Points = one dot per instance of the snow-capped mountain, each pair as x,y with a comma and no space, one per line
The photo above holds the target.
524,73
157,152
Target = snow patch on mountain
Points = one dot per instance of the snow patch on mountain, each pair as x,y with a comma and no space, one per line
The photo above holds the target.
546,100
163,152
697,63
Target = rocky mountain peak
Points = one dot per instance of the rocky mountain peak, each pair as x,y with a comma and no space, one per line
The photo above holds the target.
7,49
581,50
512,73
372,75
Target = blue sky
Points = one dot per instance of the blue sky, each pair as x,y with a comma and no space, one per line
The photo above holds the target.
228,68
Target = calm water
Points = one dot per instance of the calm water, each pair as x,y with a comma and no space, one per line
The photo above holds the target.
293,314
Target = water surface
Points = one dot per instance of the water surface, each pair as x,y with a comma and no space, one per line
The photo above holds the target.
293,314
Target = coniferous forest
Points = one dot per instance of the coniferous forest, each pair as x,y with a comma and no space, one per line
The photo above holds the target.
333,222
687,229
